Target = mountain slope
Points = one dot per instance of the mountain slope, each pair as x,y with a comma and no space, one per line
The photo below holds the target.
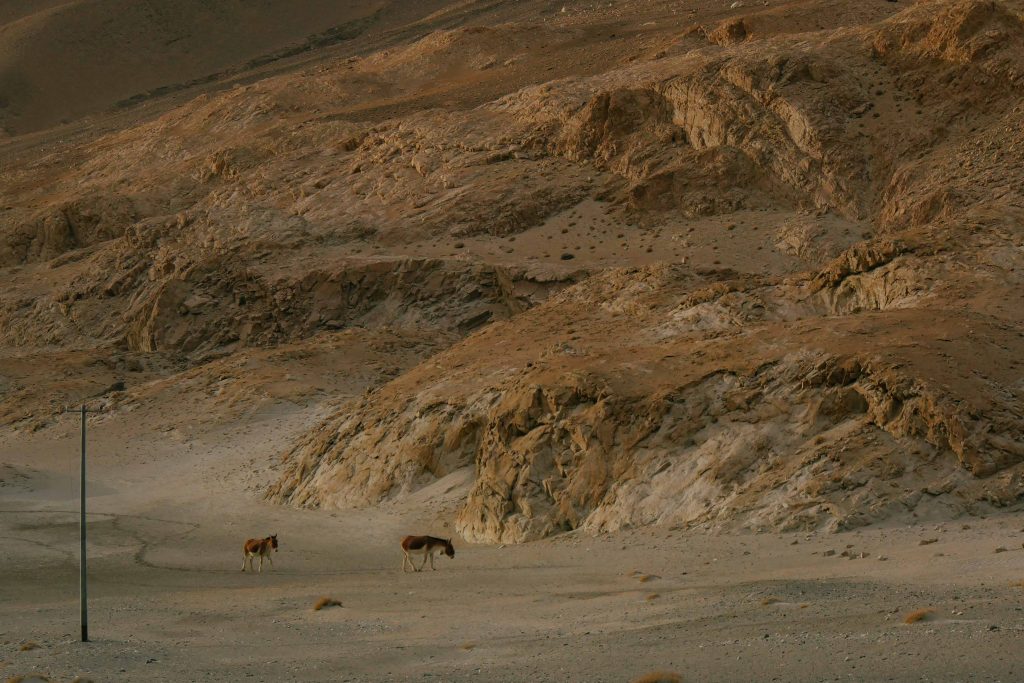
631,263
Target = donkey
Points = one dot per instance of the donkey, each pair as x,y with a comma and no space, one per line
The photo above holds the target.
428,545
259,546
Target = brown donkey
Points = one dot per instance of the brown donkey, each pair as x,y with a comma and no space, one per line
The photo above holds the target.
259,546
428,545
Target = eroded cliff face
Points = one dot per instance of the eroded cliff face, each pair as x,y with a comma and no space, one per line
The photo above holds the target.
756,266
652,405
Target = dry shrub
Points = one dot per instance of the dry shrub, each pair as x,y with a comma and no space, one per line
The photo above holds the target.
326,602
30,678
769,600
644,578
652,596
1017,584
29,645
660,677
917,615
804,605
468,646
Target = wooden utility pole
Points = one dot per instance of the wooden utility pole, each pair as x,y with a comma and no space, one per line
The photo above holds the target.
83,593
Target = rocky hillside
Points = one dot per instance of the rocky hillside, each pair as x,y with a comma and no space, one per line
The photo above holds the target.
629,263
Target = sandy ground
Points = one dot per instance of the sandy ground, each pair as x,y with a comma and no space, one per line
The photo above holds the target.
168,601
177,473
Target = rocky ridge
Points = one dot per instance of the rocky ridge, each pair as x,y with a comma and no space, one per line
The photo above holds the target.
754,266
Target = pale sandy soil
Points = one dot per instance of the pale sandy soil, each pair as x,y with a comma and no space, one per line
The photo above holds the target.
170,511
791,233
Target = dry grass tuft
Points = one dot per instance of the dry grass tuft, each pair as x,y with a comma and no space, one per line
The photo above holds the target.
1017,584
644,578
660,677
804,605
769,600
80,679
917,615
467,646
652,596
30,678
326,602
29,645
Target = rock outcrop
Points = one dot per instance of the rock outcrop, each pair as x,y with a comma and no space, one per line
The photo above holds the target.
740,265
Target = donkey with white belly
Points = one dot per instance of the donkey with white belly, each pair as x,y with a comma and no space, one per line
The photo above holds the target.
259,547
428,545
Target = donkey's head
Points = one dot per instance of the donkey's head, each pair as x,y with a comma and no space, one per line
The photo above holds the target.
273,541
449,549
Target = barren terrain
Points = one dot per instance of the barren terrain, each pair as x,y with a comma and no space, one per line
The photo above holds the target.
685,290
168,601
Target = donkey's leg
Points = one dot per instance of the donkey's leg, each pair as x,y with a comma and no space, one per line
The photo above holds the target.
424,562
270,559
261,564
432,561
405,559
245,556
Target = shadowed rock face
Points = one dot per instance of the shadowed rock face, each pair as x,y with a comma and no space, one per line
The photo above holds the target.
760,268
62,61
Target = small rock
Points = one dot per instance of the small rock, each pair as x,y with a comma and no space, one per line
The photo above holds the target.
1000,549
828,553
928,541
